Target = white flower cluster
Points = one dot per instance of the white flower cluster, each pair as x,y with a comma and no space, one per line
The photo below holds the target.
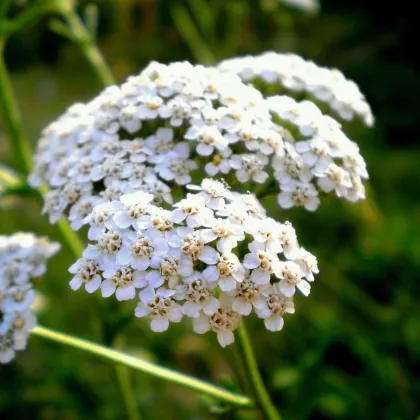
22,259
176,124
272,72
214,257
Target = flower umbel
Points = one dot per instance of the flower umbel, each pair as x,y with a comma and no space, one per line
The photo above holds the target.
197,262
23,258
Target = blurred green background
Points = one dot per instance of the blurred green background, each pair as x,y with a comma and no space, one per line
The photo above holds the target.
352,351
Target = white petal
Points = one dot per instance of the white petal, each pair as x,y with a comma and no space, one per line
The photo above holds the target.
191,309
207,235
209,255
211,274
212,306
125,293
141,310
155,279
122,220
242,307
201,324
251,261
159,324
260,277
225,338
139,279
178,216
75,283
147,294
274,323
288,289
94,284
304,287
175,314
227,284
140,263
123,255
107,288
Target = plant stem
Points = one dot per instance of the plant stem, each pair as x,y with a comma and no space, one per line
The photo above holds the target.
261,394
86,43
189,32
13,125
11,117
123,376
169,375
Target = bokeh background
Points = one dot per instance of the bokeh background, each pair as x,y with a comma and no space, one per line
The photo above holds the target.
352,351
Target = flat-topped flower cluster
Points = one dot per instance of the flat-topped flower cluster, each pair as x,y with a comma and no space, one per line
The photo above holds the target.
275,72
175,124
213,257
23,258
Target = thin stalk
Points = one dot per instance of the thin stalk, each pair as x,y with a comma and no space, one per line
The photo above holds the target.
123,377
86,43
13,125
169,375
189,32
261,394
11,116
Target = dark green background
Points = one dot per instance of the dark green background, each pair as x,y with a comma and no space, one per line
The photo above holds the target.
352,351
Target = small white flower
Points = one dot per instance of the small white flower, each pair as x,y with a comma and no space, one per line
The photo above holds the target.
250,167
208,138
192,245
247,296
169,270
226,233
298,194
139,249
132,210
176,168
275,306
123,282
307,263
262,263
193,210
219,163
291,277
267,232
222,322
160,307
198,296
86,272
336,179
18,298
213,192
227,272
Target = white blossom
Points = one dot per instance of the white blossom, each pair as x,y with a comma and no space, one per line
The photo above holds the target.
23,257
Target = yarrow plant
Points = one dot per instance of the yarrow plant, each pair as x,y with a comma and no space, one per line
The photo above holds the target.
165,174
23,258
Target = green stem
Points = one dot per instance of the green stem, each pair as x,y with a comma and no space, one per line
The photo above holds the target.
261,394
189,32
86,43
13,125
123,376
11,117
146,367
